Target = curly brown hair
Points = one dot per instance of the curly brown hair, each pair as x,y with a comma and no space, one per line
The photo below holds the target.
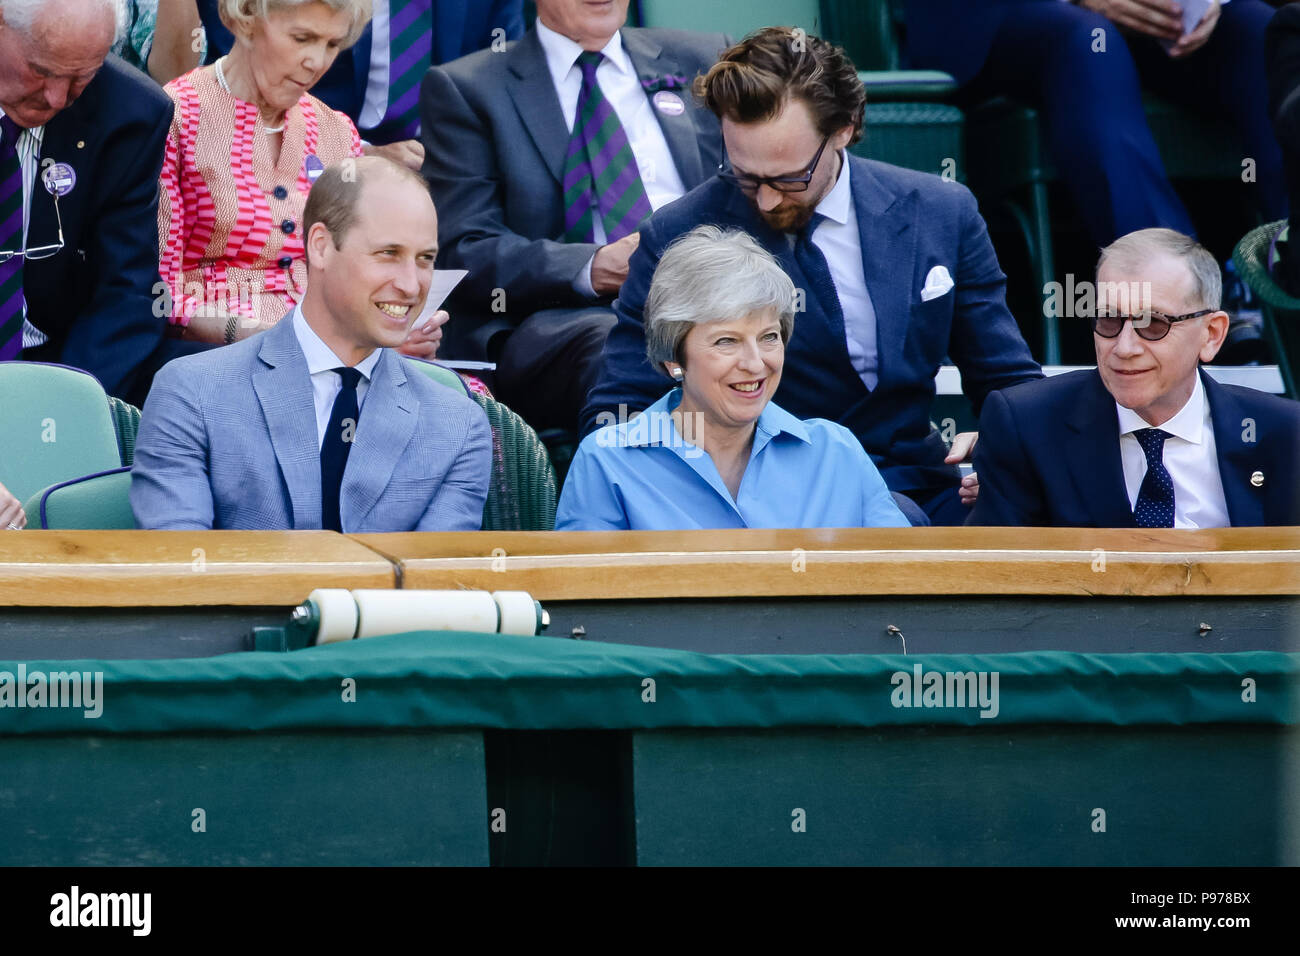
752,81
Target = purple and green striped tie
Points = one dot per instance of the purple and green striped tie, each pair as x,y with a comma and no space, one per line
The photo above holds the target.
600,172
11,240
410,46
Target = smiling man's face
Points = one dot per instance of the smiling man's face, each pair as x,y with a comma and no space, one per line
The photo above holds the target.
589,23
1155,379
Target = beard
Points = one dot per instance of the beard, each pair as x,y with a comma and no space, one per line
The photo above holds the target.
787,218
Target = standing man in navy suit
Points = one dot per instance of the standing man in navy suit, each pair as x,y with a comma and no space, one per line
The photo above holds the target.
1147,439
895,266
1084,64
362,84
512,167
82,146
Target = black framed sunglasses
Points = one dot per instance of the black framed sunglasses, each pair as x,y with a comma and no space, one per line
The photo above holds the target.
784,184
1150,325
38,252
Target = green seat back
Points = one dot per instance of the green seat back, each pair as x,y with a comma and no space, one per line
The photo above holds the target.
522,493
126,424
733,17
866,29
95,501
56,425
1281,311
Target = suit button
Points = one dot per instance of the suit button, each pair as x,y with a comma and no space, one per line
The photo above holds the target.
284,262
280,192
1257,479
287,227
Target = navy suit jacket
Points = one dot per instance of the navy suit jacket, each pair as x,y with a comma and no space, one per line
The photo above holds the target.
459,27
909,222
954,35
1048,455
494,145
96,298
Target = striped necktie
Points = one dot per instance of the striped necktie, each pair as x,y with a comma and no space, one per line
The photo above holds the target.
410,47
600,172
1155,501
11,240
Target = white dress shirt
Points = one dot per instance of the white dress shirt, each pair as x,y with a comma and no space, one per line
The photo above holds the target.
29,155
840,242
375,103
621,87
325,383
1190,457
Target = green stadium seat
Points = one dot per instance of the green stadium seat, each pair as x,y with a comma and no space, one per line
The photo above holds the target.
1281,311
732,17
522,493
57,425
94,501
126,423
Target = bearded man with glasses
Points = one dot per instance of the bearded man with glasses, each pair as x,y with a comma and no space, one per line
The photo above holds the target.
1147,439
894,268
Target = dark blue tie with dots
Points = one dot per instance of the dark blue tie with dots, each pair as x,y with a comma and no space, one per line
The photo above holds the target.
334,450
1155,503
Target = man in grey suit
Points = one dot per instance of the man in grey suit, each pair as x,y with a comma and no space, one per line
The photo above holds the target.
544,211
318,422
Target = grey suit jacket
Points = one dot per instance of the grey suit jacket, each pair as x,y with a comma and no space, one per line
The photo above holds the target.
228,440
494,141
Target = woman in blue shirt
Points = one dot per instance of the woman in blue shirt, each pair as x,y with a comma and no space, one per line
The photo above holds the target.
716,452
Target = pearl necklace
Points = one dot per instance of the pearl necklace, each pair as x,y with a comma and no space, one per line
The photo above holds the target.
221,82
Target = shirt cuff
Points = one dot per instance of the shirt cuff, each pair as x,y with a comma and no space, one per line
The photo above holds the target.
582,283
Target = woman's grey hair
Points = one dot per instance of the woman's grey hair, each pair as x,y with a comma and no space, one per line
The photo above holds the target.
235,12
20,15
1133,251
706,276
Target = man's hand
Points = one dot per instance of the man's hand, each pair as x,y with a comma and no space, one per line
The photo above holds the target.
1196,39
12,516
609,266
423,340
963,443
410,153
1162,19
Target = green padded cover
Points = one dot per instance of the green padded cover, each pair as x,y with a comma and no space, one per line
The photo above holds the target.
732,17
96,501
56,426
126,422
522,493
448,679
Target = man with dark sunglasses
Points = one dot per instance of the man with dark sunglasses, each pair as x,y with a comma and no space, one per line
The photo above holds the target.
1147,439
895,269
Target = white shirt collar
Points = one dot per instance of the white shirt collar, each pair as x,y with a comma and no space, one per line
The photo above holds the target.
1188,424
320,357
837,203
562,53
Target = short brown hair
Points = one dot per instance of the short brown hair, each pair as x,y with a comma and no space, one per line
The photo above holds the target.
754,79
333,198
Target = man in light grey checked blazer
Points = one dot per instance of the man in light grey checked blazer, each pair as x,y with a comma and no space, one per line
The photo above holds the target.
318,422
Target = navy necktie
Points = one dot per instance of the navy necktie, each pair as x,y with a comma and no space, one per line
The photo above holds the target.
334,450
1155,501
818,273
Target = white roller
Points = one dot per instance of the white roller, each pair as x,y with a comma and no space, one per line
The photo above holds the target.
518,612
338,614
392,612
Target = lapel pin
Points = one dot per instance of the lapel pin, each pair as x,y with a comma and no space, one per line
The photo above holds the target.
58,179
313,167
1257,479
670,104
81,144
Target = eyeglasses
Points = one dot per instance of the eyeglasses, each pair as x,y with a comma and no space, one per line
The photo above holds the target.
784,184
40,252
1149,325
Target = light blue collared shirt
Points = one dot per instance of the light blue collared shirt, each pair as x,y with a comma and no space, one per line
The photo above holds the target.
642,475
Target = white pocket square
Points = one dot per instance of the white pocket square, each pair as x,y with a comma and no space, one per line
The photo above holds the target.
937,283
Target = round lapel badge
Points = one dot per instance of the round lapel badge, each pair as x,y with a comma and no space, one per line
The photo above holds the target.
58,178
313,167
668,103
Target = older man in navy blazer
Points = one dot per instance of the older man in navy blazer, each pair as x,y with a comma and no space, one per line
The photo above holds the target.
1147,439
318,422
82,138
896,267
